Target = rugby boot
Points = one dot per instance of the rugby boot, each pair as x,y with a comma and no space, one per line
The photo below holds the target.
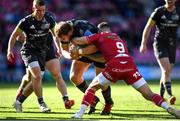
174,112
107,109
93,105
44,108
68,104
18,106
172,100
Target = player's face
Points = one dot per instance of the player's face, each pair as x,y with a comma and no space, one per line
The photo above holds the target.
170,2
66,38
39,11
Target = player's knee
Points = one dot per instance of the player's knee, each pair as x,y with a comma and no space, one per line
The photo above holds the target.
73,77
38,77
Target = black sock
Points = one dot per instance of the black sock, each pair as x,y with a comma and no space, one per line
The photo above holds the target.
107,96
162,90
40,100
21,98
83,86
168,88
65,98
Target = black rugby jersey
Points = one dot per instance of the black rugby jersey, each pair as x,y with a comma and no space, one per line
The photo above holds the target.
36,31
82,28
167,22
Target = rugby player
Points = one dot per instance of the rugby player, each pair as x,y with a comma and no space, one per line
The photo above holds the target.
66,30
119,66
36,26
166,19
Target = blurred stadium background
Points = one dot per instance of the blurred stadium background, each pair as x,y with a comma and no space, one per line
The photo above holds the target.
127,17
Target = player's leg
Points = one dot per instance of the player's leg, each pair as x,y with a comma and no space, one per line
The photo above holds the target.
36,79
165,82
106,95
145,90
28,89
98,82
78,68
24,82
53,67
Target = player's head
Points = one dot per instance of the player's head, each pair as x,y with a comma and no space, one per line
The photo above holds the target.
103,26
64,30
39,9
170,3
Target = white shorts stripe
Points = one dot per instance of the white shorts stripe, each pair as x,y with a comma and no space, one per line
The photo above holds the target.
33,64
139,83
102,80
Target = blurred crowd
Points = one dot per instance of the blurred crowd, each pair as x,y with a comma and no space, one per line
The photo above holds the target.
127,18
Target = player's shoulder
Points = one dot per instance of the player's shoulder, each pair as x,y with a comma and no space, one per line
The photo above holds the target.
178,10
26,18
50,16
159,9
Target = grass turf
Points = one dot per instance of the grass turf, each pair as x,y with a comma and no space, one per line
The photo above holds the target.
128,104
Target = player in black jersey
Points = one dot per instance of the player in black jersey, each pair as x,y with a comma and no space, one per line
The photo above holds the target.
167,20
66,30
36,26
53,66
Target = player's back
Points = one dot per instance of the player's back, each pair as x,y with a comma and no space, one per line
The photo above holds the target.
111,45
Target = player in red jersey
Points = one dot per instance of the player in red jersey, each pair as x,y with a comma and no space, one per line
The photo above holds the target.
119,66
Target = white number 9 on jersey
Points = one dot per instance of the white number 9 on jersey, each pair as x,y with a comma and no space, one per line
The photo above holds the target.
120,47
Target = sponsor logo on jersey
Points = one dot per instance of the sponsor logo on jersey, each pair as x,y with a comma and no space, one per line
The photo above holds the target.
45,26
32,27
175,17
163,17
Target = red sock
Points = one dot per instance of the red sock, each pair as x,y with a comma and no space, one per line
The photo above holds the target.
157,99
19,94
88,97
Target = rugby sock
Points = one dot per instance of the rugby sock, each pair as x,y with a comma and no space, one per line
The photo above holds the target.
157,99
82,109
65,98
40,100
168,88
19,93
83,86
164,105
21,98
162,90
107,96
88,97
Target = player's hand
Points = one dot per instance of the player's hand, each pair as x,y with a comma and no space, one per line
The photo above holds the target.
74,52
10,56
143,48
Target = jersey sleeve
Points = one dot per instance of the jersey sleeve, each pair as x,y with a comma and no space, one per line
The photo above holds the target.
93,38
52,22
22,25
155,15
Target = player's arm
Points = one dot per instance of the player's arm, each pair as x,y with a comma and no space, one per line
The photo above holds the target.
146,32
80,40
65,50
17,32
90,49
56,42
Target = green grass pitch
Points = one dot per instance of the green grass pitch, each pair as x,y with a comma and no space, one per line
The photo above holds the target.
128,104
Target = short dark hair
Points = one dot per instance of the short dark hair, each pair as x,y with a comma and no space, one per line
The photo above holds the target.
102,25
39,2
62,28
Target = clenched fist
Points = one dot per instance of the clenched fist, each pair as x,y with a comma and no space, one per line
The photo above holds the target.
74,52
